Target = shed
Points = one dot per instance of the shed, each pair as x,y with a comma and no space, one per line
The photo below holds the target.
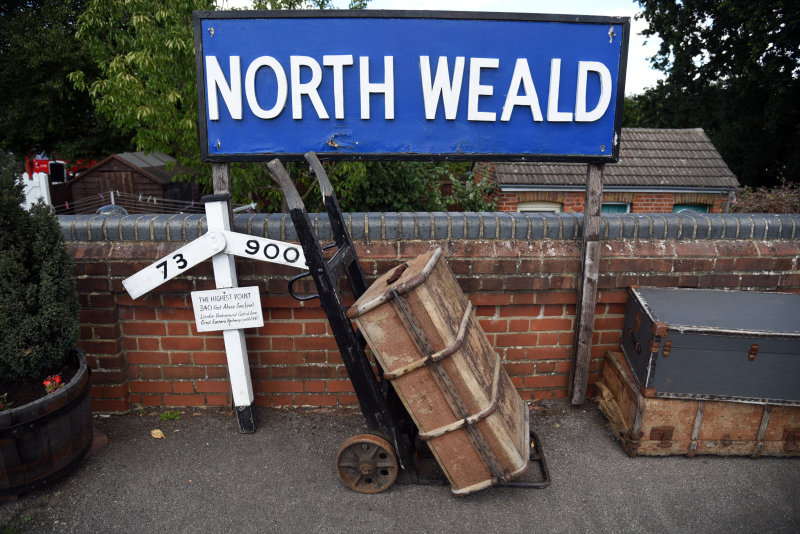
139,181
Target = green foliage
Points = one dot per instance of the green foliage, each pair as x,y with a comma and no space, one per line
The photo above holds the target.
170,415
144,52
39,108
732,69
784,198
412,186
469,195
38,303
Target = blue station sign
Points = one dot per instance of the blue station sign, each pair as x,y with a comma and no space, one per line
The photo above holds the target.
410,85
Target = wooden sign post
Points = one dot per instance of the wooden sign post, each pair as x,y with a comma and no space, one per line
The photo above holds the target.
221,245
587,285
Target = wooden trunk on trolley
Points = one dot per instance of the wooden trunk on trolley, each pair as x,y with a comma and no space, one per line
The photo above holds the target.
651,426
424,335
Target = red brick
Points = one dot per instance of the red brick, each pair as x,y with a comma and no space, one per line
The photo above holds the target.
494,325
545,381
212,386
314,386
144,329
547,353
545,367
340,386
146,357
346,399
515,340
556,297
152,400
183,387
209,358
140,386
218,400
314,328
520,311
519,368
184,400
315,343
92,346
552,324
182,343
183,373
314,372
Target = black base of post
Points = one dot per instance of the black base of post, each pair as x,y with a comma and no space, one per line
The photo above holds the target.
247,419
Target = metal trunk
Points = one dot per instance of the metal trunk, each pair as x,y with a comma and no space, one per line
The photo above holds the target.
422,331
714,344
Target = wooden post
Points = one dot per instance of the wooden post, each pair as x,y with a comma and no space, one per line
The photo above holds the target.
587,284
218,216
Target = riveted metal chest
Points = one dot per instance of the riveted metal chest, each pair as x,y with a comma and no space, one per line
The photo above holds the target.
425,337
714,344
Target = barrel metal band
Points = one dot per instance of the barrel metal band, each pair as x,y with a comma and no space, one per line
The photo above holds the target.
437,356
471,420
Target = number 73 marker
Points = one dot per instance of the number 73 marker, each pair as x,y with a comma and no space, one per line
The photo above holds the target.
206,246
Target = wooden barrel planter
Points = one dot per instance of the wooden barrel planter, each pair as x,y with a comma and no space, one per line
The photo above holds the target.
43,440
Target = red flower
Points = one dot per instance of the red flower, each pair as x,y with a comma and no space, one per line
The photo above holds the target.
52,383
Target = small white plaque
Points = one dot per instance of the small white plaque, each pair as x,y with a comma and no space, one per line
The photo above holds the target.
227,309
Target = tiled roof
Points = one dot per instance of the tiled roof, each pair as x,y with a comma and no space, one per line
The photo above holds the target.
647,157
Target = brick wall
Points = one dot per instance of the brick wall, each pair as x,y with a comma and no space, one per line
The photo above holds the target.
573,201
519,270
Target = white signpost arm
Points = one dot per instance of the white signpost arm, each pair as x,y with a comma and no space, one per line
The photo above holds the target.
218,218
175,263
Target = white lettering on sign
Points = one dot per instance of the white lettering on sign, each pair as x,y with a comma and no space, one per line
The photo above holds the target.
338,63
231,92
584,68
522,75
386,87
281,91
227,309
445,86
476,89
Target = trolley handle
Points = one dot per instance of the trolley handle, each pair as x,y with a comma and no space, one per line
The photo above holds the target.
300,277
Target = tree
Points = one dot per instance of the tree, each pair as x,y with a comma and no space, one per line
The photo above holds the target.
40,109
144,50
732,68
38,303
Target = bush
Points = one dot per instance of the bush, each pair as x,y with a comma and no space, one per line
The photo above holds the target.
38,302
784,198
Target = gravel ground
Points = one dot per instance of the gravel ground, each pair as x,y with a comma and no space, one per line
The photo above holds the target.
205,476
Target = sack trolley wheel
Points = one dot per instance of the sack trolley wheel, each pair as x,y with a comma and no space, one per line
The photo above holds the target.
367,463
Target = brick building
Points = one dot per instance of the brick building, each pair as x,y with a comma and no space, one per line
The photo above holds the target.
659,171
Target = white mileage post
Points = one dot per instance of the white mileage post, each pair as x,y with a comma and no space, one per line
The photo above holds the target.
228,308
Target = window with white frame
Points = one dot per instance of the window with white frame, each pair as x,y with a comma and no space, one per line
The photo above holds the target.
547,207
